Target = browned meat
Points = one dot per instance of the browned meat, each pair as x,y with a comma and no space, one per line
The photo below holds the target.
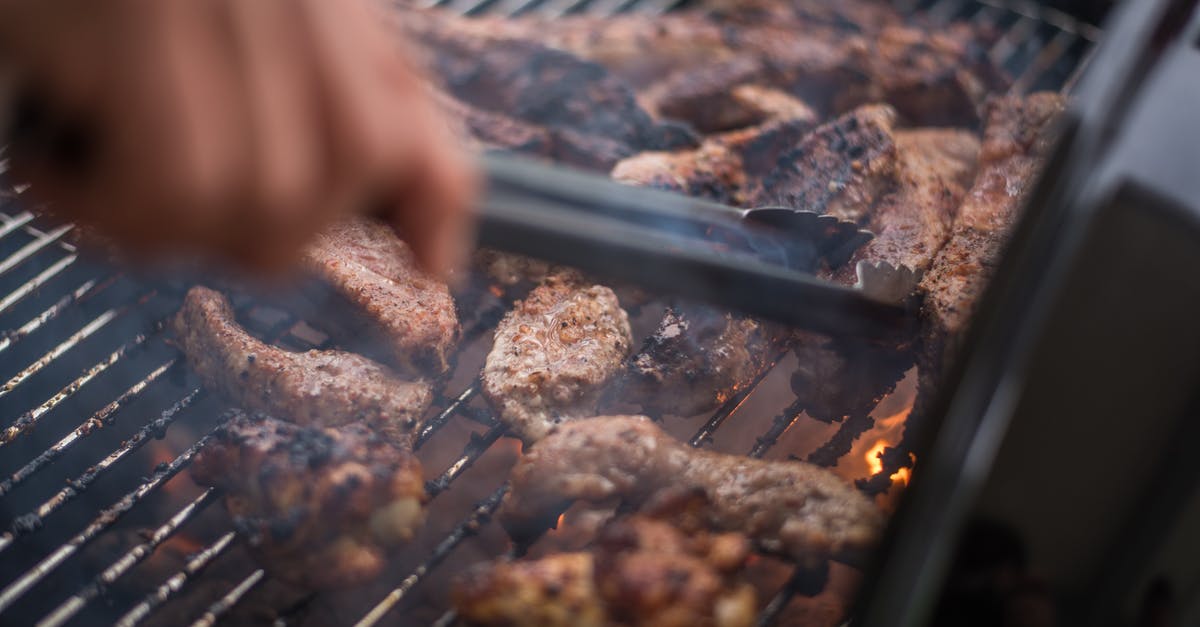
553,353
548,88
315,388
841,168
793,508
509,269
322,508
696,359
639,571
933,169
706,97
1016,139
376,272
722,168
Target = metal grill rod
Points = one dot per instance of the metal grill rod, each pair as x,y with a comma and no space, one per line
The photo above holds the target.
12,223
106,519
87,331
34,247
226,603
29,522
33,284
174,584
133,557
82,293
32,417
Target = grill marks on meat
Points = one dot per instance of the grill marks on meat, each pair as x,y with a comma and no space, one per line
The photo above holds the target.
364,261
639,571
842,168
794,508
1016,139
694,361
933,169
553,353
314,388
322,508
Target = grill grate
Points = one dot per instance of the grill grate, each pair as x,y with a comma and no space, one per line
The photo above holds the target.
53,297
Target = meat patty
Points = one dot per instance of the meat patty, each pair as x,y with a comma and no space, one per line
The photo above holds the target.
794,508
696,359
367,264
553,353
315,388
321,508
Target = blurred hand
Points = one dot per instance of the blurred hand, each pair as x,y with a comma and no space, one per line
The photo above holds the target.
234,127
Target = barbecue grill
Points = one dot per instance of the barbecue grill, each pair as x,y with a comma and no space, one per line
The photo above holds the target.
100,416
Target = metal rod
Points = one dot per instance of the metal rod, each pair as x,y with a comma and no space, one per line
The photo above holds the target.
170,588
33,247
13,223
706,431
1051,54
33,284
806,581
131,558
432,425
779,425
85,291
106,519
75,338
99,420
30,418
839,445
226,603
465,529
33,520
475,448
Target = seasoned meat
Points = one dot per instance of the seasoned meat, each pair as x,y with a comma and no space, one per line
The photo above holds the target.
364,261
793,508
839,378
841,168
553,353
639,571
539,85
723,167
1016,139
933,169
509,269
704,96
322,508
315,388
696,359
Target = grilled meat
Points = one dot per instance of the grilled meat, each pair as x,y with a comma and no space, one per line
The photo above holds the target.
509,269
376,272
841,168
721,97
1016,140
725,164
316,388
552,354
321,507
640,571
793,508
696,359
549,88
933,169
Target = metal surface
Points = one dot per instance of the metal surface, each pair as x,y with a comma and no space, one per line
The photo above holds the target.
61,311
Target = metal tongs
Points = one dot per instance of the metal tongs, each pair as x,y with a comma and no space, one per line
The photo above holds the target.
760,262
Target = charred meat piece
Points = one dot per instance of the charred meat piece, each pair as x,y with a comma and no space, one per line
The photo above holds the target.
316,388
841,168
550,88
364,261
793,508
911,224
553,353
639,571
1016,140
724,165
696,359
322,508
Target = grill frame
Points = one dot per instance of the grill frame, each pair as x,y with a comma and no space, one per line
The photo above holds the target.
1021,17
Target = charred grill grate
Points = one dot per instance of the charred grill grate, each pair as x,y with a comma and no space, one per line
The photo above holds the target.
56,311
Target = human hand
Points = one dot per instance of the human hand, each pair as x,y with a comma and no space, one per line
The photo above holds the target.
229,127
